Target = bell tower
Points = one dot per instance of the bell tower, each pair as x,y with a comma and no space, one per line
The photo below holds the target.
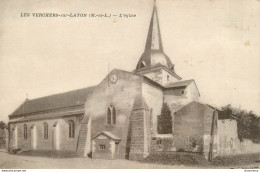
154,63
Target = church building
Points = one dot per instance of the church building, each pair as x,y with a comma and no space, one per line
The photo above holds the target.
116,119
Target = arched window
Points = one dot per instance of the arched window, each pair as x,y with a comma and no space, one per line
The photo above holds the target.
71,129
114,115
45,131
25,131
108,115
111,115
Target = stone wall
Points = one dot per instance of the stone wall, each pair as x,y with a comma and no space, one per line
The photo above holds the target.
193,92
139,147
189,128
228,142
167,77
162,142
65,143
121,95
153,95
247,146
97,153
175,98
178,97
159,75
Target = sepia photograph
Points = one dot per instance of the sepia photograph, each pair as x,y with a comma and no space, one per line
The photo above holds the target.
130,84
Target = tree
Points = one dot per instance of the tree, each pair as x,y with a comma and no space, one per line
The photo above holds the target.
248,123
2,125
2,134
165,120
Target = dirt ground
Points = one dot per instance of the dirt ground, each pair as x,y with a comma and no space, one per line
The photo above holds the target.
8,161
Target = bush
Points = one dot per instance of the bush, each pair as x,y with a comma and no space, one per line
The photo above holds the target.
248,123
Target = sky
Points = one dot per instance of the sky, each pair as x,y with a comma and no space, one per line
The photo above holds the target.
215,42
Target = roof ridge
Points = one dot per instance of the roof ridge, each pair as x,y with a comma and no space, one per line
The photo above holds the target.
17,108
108,134
50,102
186,80
178,83
60,93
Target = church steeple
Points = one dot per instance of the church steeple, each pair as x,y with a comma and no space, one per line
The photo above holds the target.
153,58
153,55
154,41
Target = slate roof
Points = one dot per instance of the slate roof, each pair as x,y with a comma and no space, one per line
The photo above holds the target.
108,134
226,115
61,100
47,115
180,84
153,55
158,65
147,57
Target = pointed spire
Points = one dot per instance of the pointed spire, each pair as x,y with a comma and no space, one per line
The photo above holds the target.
154,41
153,55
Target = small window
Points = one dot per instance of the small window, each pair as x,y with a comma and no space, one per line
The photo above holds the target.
45,130
182,91
25,131
102,147
168,77
71,129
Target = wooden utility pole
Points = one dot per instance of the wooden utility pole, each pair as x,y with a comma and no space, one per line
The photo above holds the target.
212,136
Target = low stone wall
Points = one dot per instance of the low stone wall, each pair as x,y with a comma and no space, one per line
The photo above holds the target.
162,142
248,147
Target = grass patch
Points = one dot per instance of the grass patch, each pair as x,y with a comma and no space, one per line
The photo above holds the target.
177,158
242,159
194,159
49,153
